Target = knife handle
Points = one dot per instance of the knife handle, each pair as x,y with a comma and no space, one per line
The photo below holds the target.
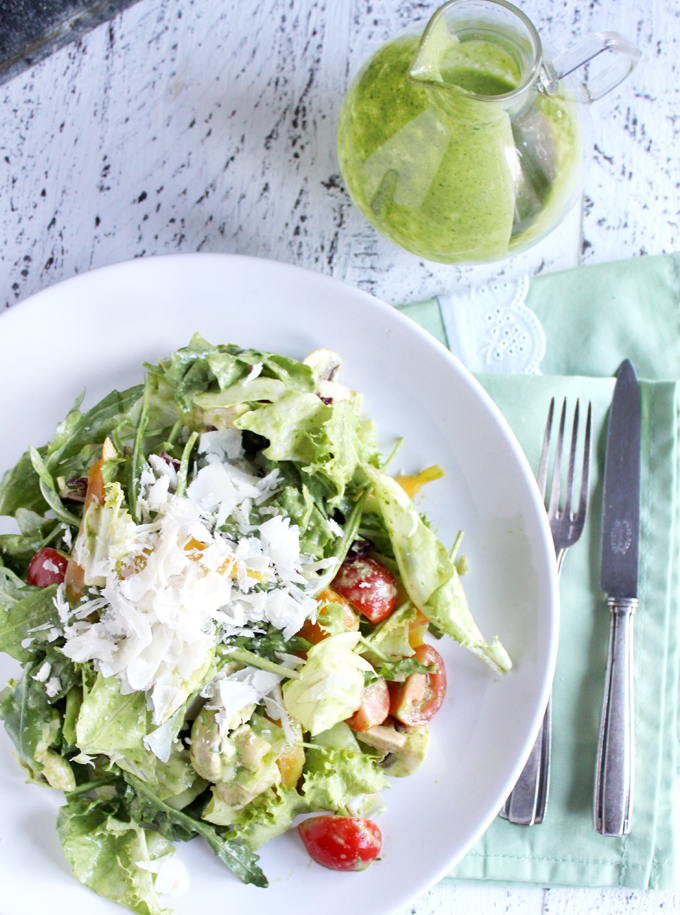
616,749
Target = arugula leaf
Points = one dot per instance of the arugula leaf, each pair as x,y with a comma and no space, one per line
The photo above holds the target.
267,645
183,472
49,490
34,724
400,670
342,545
137,459
73,455
69,455
145,806
19,549
24,717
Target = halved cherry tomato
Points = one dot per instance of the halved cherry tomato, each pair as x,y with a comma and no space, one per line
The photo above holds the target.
374,708
341,843
48,567
368,586
313,633
420,696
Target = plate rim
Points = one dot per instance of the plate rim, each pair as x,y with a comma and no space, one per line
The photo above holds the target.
37,299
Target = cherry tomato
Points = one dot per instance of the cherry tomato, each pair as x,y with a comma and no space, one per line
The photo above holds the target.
341,843
374,708
420,696
48,567
368,586
313,633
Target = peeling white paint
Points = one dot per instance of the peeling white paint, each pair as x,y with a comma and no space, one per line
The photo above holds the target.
185,126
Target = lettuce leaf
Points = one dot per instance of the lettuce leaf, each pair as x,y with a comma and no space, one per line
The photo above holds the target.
203,369
18,621
430,578
330,684
103,852
336,771
268,816
109,722
327,439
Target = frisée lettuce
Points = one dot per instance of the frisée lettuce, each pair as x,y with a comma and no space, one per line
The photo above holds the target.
187,669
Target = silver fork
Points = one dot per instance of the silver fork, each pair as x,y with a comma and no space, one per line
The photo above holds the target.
528,801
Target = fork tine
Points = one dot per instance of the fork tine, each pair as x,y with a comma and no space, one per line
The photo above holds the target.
557,470
542,477
585,478
572,463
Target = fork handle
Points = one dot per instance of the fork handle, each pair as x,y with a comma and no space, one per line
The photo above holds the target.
616,749
527,802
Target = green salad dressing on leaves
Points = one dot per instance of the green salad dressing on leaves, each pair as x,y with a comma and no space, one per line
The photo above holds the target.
444,174
239,481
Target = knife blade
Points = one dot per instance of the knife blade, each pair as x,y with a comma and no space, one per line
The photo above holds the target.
619,572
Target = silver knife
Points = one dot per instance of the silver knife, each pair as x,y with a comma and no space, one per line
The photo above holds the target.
619,580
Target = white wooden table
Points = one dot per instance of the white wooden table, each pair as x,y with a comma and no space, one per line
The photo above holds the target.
209,125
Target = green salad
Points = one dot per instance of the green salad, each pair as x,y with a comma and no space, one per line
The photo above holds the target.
224,609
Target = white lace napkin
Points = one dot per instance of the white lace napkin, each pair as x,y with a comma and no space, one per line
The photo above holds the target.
490,329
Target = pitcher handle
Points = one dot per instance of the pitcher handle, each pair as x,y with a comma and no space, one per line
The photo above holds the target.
627,56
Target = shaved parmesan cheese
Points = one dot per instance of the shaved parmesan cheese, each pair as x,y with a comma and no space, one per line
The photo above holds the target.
253,373
166,591
171,874
232,693
53,686
43,673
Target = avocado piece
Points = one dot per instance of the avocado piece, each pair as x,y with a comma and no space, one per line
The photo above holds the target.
411,756
405,750
383,737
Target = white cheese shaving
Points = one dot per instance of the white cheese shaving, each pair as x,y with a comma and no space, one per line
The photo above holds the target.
43,673
167,590
276,710
334,527
163,468
160,741
221,444
232,693
253,373
171,874
53,686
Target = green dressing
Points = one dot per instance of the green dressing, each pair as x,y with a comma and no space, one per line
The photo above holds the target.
445,174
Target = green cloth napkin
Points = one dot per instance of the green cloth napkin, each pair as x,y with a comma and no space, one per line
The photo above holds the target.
594,318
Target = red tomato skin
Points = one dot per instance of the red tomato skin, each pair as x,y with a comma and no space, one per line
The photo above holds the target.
368,586
374,708
341,843
41,577
420,697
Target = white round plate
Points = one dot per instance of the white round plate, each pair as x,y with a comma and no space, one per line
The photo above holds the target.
94,331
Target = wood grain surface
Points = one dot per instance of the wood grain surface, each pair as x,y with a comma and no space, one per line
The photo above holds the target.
188,125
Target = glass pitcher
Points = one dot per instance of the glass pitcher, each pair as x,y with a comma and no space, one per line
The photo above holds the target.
466,144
